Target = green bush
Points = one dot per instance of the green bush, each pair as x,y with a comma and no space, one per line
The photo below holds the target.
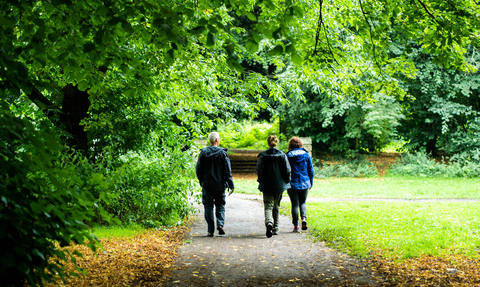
421,164
357,167
42,206
253,136
152,190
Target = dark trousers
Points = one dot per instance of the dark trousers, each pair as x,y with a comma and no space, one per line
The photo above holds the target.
209,200
298,199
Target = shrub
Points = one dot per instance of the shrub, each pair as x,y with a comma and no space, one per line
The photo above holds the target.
152,189
42,206
421,164
358,167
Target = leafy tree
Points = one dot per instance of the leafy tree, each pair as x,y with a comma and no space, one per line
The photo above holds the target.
75,60
443,105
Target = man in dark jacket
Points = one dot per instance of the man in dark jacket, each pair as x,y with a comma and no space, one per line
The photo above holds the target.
214,173
273,170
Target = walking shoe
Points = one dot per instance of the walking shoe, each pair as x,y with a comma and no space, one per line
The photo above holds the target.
220,230
296,229
304,224
210,234
269,230
274,232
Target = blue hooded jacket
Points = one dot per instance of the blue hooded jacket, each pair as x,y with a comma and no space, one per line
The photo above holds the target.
302,169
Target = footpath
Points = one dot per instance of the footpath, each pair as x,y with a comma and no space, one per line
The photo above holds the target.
246,257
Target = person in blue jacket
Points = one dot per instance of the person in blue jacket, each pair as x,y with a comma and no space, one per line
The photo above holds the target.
302,180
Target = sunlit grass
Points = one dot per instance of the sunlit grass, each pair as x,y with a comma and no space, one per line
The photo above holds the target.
117,231
384,187
397,229
398,187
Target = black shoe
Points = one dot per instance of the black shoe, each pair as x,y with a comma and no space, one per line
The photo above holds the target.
210,234
304,224
269,230
220,230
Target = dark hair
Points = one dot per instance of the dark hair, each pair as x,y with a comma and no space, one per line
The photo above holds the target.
272,141
295,142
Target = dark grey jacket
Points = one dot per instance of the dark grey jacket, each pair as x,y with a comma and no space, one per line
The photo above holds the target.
273,171
214,171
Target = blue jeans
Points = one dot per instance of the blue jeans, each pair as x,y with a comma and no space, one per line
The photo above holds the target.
217,199
298,199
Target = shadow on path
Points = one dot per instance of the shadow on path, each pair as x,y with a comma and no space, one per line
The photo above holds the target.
246,257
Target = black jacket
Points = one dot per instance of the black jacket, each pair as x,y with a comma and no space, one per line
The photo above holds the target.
273,171
214,171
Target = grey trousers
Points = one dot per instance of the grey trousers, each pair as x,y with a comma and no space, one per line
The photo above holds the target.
298,199
271,202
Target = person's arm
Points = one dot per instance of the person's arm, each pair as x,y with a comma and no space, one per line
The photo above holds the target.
259,168
198,169
288,169
310,169
228,173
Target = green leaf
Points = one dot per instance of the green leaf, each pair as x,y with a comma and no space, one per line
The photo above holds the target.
251,46
129,92
210,40
278,50
298,11
251,16
277,34
97,178
83,86
88,47
296,59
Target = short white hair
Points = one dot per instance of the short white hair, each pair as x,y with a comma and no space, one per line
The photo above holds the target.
213,136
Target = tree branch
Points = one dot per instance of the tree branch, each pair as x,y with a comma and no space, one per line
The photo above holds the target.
429,13
319,27
40,100
371,39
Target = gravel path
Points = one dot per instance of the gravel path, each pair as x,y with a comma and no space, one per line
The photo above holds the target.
246,257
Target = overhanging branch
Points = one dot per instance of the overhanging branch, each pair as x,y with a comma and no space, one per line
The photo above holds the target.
371,38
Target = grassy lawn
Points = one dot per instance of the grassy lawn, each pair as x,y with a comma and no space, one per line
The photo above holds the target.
117,231
401,230
384,187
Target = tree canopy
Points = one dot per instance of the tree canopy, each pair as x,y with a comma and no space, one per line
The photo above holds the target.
125,85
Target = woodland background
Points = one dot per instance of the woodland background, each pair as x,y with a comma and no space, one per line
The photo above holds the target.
101,101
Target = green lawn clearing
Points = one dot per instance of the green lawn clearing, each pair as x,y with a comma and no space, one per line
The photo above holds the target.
384,187
401,230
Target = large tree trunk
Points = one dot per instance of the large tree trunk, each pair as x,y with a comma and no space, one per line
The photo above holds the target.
75,106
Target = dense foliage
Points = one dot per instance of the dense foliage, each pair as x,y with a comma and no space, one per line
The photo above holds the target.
45,203
101,99
251,135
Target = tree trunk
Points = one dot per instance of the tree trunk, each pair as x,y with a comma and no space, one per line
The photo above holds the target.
75,106
432,146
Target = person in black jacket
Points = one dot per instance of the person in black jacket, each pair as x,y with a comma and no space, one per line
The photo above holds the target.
214,173
273,170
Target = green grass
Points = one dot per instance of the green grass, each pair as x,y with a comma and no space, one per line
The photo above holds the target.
117,231
398,229
398,187
246,186
384,187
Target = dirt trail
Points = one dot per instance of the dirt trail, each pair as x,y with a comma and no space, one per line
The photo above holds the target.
246,257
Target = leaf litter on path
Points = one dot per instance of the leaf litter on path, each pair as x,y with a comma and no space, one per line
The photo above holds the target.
142,260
